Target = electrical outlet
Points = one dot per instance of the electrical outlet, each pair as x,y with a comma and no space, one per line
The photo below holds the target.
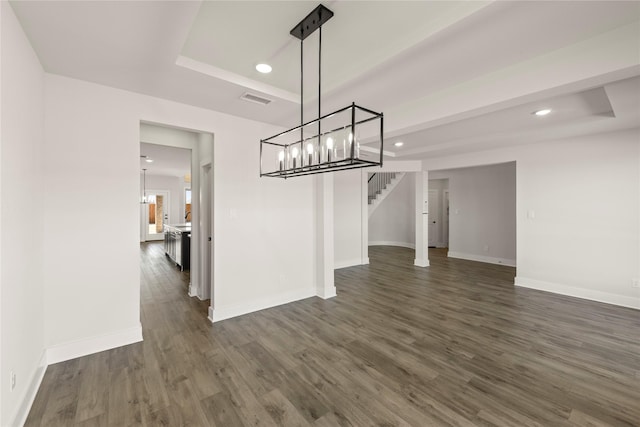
635,283
12,386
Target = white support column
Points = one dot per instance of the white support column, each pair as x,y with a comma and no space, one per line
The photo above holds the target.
422,219
364,216
325,286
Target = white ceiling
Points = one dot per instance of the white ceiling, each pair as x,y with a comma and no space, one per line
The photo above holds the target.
449,76
171,161
575,114
367,34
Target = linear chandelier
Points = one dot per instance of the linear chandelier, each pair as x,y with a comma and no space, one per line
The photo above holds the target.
329,143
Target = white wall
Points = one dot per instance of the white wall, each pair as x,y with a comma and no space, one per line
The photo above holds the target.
205,144
152,133
578,218
347,214
266,224
482,206
393,222
21,219
584,194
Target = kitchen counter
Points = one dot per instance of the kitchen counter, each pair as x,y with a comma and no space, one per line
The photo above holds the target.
181,228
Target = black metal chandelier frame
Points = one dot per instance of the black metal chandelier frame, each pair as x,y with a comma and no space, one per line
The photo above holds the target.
319,159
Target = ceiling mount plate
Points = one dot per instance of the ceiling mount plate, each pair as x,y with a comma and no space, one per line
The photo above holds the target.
311,22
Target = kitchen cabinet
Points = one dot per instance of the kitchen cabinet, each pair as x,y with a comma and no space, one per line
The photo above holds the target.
177,244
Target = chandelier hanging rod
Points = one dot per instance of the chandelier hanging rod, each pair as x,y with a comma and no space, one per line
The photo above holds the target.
283,156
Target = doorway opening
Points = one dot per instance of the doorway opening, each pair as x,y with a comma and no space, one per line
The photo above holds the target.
438,202
392,212
476,212
168,172
180,195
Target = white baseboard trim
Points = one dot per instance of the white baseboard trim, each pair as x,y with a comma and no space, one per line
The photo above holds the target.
365,261
348,263
196,295
74,349
388,243
222,313
482,258
192,293
326,295
30,393
421,262
589,294
210,315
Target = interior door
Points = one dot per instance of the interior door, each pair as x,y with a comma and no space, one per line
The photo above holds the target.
156,214
434,218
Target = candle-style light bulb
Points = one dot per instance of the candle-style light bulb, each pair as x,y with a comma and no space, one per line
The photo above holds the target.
329,148
294,155
310,153
351,153
281,159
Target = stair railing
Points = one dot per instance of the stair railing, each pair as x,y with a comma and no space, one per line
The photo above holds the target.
377,182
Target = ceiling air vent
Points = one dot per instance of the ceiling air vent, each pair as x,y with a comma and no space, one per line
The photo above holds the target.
256,99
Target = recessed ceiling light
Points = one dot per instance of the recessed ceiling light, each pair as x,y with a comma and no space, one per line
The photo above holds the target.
398,144
148,160
263,68
543,112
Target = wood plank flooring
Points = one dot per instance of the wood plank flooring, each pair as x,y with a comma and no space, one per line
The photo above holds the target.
454,344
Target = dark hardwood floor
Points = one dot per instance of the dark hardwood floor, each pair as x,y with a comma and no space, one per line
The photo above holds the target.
454,344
